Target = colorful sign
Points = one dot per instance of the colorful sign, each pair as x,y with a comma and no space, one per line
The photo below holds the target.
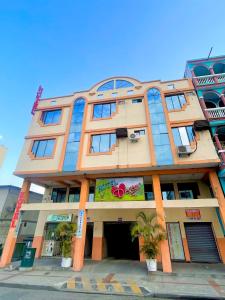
59,218
38,97
80,223
16,214
193,214
119,189
175,241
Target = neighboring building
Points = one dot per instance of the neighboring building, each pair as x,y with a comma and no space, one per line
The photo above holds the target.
208,76
122,147
8,199
3,151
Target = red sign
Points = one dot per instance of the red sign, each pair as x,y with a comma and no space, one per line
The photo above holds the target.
17,210
38,97
194,214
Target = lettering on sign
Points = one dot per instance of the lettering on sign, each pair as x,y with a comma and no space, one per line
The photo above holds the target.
80,223
193,214
17,210
59,218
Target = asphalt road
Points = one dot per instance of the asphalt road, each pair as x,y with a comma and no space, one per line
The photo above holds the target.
27,294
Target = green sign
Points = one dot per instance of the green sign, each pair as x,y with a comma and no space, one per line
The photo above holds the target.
59,218
120,189
28,258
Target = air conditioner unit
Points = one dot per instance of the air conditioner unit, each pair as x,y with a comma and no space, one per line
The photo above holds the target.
134,137
184,150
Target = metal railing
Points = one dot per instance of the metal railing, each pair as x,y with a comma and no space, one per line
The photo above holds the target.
215,113
209,79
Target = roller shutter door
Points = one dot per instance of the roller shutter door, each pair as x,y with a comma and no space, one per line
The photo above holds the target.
201,242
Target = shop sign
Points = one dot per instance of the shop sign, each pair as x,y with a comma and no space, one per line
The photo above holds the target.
59,218
16,214
120,189
80,223
193,214
175,241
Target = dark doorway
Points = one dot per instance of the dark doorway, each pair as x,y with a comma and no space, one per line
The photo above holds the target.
118,241
89,240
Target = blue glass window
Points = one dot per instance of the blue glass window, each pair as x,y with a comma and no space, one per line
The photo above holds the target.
58,195
114,84
137,101
73,142
183,135
51,116
175,102
123,84
102,142
43,148
104,110
109,85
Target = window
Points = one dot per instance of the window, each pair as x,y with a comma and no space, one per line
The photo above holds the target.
175,101
74,194
140,132
188,190
104,110
171,86
43,148
149,195
59,195
102,142
51,116
91,196
114,84
137,101
167,191
183,135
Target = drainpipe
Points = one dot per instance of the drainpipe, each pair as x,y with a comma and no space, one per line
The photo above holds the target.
215,75
195,80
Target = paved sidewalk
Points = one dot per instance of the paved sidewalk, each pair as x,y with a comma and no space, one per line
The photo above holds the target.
189,281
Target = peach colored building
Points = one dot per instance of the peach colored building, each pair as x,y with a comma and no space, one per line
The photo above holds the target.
107,153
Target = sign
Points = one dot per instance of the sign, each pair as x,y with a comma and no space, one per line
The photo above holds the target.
80,223
175,241
120,189
17,210
193,214
38,97
28,258
59,218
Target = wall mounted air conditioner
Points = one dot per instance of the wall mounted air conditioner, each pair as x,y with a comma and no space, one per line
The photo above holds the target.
134,137
184,150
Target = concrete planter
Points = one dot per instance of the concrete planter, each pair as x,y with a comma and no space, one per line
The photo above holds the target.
66,262
151,265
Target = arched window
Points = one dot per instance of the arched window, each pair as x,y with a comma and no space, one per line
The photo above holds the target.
115,84
211,99
219,68
73,142
160,134
201,71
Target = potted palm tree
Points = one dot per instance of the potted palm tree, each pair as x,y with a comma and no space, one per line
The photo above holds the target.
152,233
65,232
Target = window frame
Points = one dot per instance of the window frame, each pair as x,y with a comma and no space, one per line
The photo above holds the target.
183,135
33,155
172,101
111,146
112,113
41,121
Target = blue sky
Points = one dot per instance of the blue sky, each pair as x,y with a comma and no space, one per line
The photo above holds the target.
71,45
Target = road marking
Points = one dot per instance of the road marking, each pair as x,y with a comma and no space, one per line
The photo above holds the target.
216,287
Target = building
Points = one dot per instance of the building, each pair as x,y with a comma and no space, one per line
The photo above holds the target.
3,151
122,147
208,76
8,199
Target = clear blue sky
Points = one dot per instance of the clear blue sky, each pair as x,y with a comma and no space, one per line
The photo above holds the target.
71,45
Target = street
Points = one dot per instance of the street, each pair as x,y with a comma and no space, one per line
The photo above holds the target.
28,294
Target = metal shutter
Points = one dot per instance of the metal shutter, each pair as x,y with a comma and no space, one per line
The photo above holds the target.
201,242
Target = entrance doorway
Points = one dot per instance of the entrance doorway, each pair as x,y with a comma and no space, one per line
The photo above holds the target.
201,242
118,241
89,240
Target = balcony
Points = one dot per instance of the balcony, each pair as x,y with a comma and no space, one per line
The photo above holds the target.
215,113
209,79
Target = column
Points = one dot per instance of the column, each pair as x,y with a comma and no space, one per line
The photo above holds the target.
13,230
220,148
212,73
78,259
38,235
195,80
222,97
203,107
97,246
165,253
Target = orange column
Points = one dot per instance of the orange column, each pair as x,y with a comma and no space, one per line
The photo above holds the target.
78,258
97,246
165,253
37,243
12,234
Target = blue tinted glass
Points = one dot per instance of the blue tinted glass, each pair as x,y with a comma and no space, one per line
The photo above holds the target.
123,84
158,118
70,161
113,139
161,139
113,107
35,147
104,143
169,103
176,137
107,86
41,148
182,99
190,133
106,110
97,111
73,147
95,144
56,116
51,117
176,102
49,147
163,155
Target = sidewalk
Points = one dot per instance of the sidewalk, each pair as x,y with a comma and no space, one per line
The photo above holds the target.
189,281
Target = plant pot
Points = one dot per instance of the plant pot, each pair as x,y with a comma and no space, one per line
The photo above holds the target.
151,265
66,262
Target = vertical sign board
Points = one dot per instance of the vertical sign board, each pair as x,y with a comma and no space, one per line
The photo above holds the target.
175,241
80,223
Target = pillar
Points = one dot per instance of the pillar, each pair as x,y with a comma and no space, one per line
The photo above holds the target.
222,97
97,246
165,253
203,107
219,147
78,258
215,75
38,235
10,242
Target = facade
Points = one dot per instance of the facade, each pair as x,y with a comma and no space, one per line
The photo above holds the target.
3,151
107,153
209,80
8,199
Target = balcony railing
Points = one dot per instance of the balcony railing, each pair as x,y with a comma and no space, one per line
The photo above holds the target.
215,113
209,79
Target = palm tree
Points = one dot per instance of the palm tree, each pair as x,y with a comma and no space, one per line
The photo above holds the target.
151,231
65,232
